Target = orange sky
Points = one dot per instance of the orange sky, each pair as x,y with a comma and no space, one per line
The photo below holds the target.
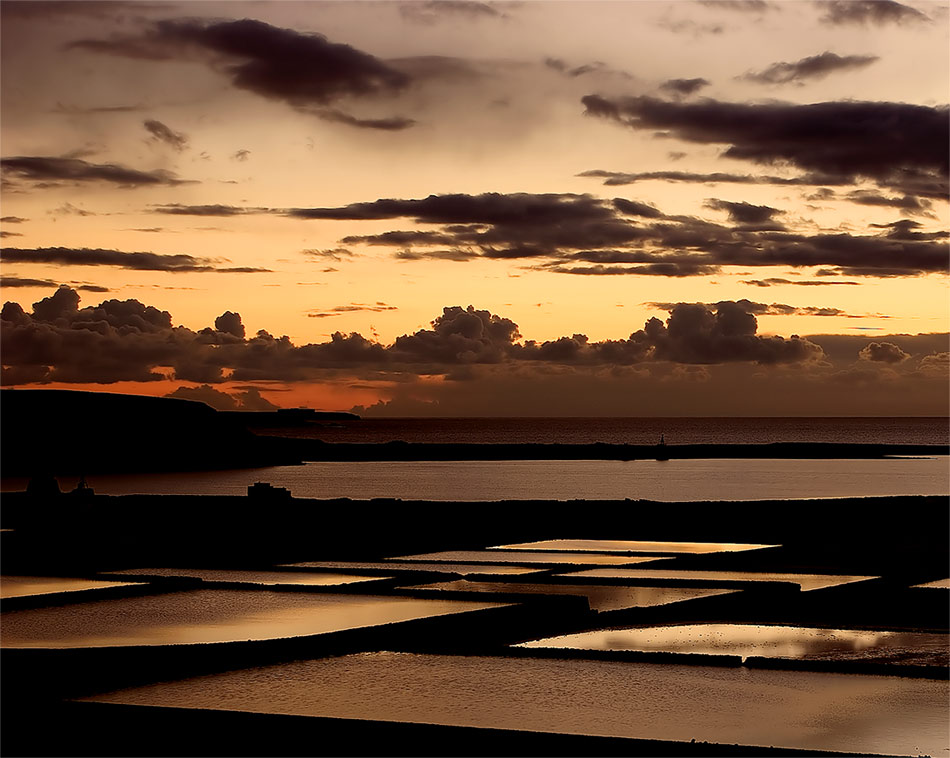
573,168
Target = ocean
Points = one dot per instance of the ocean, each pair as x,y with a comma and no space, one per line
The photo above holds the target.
634,431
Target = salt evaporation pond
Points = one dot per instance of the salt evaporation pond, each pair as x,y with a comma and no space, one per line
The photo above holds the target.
203,616
304,578
633,546
791,709
747,640
804,581
441,568
600,598
22,586
939,584
512,556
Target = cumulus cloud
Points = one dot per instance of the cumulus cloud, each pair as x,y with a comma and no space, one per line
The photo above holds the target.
883,352
247,400
162,133
50,169
130,341
898,145
766,309
65,256
306,71
868,12
813,67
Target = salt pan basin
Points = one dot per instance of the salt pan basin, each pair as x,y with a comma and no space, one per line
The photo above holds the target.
253,577
441,568
633,546
512,556
23,586
793,709
601,598
939,584
804,581
203,616
746,640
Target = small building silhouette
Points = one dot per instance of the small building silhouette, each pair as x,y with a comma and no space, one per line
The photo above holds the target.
266,492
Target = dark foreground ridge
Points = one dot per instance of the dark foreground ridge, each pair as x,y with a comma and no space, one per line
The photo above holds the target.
899,542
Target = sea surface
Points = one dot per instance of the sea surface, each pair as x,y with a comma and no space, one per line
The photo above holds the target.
634,431
671,481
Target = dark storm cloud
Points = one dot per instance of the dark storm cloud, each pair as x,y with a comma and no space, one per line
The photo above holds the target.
79,110
177,209
307,71
769,309
619,178
912,206
574,71
743,6
12,220
47,169
562,231
633,208
241,155
67,256
883,352
5,233
163,133
16,281
893,144
336,254
430,12
684,86
776,281
351,308
865,12
744,213
905,229
813,67
393,124
129,341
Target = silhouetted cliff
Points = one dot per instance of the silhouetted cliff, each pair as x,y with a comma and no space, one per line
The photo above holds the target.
72,432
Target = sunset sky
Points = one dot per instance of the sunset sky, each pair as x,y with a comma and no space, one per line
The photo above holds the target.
719,207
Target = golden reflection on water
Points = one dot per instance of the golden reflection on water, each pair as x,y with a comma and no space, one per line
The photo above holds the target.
254,577
203,616
633,546
600,597
511,556
805,581
793,709
21,586
747,640
442,568
939,584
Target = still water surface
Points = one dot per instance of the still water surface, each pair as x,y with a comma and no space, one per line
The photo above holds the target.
806,710
676,480
745,640
202,616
